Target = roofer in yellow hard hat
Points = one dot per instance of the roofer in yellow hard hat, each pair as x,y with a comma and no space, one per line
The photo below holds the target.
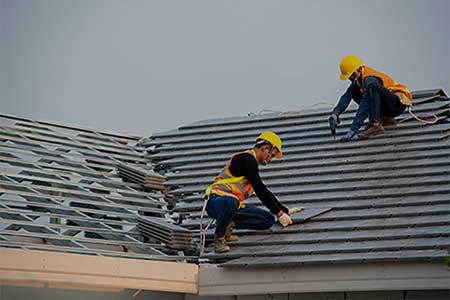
379,97
235,183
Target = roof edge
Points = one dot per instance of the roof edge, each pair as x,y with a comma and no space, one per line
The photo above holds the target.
30,267
216,281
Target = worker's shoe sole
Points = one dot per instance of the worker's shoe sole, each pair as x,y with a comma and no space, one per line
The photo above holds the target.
371,131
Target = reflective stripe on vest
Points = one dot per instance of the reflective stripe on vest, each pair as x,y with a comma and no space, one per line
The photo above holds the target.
389,83
225,184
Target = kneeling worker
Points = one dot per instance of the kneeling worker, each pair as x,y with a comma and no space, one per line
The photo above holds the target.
235,183
379,97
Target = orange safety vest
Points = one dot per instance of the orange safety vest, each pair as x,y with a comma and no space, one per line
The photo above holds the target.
238,188
397,88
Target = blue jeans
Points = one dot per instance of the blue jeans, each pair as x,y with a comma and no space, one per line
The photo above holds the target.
383,103
377,101
226,209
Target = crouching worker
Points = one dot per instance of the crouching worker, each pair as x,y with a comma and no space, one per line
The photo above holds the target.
379,97
235,183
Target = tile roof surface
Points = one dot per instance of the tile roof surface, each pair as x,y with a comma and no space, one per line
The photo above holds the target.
386,199
389,195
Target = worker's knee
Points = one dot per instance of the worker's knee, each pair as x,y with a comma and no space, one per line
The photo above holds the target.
268,223
267,220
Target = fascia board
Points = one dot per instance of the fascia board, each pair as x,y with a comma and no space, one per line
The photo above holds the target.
96,272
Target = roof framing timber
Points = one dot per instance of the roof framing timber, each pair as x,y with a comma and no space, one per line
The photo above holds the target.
87,270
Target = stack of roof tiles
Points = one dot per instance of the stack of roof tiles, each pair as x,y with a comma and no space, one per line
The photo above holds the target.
59,191
174,236
389,195
147,178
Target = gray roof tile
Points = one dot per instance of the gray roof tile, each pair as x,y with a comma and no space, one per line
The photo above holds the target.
379,256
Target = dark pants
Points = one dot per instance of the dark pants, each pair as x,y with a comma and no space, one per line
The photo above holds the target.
383,103
225,210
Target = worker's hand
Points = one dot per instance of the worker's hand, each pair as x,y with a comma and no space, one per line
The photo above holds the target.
348,136
284,219
295,210
334,121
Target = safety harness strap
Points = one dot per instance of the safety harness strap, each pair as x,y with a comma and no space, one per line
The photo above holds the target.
222,181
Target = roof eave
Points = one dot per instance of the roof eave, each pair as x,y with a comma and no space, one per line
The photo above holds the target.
216,281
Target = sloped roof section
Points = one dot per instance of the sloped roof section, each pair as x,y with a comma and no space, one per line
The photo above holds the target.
60,191
389,195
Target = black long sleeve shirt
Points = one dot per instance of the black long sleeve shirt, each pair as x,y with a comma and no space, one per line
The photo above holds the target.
245,164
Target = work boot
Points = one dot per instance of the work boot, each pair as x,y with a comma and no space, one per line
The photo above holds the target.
372,129
388,122
228,236
220,244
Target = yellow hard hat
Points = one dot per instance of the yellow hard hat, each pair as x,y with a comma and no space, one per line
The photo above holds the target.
273,139
349,64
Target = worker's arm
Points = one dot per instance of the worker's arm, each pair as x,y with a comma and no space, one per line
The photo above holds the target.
363,110
345,99
245,164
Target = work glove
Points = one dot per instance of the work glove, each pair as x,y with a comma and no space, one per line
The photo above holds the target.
295,210
348,136
284,219
334,121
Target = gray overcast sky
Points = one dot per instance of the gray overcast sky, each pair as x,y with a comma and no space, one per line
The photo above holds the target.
145,66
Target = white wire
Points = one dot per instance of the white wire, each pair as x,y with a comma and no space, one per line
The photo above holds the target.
419,119
203,231
281,113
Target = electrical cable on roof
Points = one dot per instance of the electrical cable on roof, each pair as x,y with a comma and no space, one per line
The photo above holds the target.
308,107
281,113
268,111
263,112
